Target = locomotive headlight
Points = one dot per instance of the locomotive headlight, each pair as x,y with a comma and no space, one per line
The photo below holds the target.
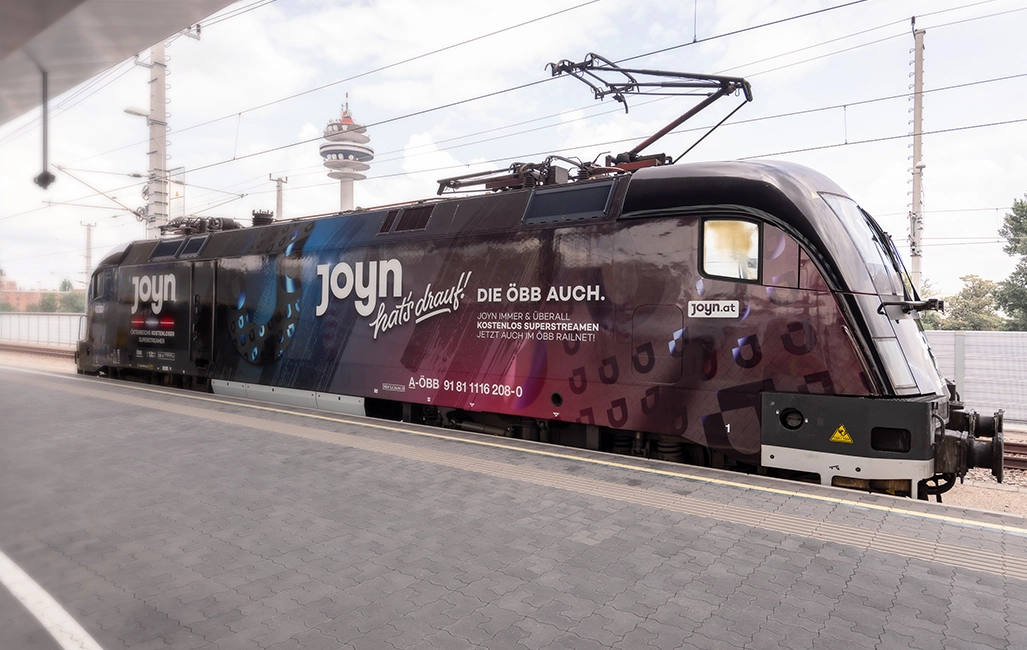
792,419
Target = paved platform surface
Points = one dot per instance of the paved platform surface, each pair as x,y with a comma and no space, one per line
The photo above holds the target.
165,519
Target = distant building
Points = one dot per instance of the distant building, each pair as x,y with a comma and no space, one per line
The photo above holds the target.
20,300
346,154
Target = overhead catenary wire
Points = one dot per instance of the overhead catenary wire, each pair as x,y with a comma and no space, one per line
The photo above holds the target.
538,153
739,122
733,122
476,98
883,139
965,127
968,127
110,173
487,95
693,129
389,66
68,101
382,156
239,114
81,198
772,23
896,214
905,245
234,13
535,83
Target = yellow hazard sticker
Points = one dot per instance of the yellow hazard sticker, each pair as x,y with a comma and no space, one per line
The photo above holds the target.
841,435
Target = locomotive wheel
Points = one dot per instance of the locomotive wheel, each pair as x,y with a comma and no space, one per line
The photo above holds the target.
695,455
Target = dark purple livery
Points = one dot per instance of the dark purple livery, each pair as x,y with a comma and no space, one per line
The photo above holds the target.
729,314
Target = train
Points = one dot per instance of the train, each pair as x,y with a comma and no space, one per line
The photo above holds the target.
745,315
738,315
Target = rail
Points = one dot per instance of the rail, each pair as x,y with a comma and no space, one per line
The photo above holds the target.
1015,455
41,350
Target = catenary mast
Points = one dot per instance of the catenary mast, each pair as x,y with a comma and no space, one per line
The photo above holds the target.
157,186
916,215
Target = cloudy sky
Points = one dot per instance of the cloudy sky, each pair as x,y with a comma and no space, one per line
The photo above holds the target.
436,82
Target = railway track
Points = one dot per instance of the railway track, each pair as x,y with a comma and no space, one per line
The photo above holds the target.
1015,455
43,350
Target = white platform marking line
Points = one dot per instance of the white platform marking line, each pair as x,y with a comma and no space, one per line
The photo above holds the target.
64,629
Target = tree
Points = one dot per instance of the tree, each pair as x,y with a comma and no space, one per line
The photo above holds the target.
66,285
1011,293
72,302
973,308
1011,296
47,304
6,306
931,320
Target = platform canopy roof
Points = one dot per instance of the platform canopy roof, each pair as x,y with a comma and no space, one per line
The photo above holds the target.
73,40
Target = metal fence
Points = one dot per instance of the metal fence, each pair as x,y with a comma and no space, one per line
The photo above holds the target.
989,368
57,330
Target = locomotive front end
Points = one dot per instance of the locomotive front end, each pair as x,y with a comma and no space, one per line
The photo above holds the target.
918,427
906,446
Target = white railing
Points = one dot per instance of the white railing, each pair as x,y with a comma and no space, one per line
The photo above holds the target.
989,368
27,328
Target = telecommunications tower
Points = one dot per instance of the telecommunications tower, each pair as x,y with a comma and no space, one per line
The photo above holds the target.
346,154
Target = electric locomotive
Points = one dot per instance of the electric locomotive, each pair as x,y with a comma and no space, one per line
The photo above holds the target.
745,315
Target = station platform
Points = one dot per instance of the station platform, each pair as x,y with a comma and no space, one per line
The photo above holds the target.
159,518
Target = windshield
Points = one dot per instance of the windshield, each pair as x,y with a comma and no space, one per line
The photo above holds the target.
900,266
872,247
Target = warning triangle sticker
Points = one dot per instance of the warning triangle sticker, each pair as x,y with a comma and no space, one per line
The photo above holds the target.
841,435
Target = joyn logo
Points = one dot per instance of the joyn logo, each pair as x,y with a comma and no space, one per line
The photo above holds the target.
343,280
373,283
713,308
157,288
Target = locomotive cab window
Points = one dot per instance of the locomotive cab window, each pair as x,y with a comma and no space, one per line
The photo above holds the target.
871,245
96,286
731,249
